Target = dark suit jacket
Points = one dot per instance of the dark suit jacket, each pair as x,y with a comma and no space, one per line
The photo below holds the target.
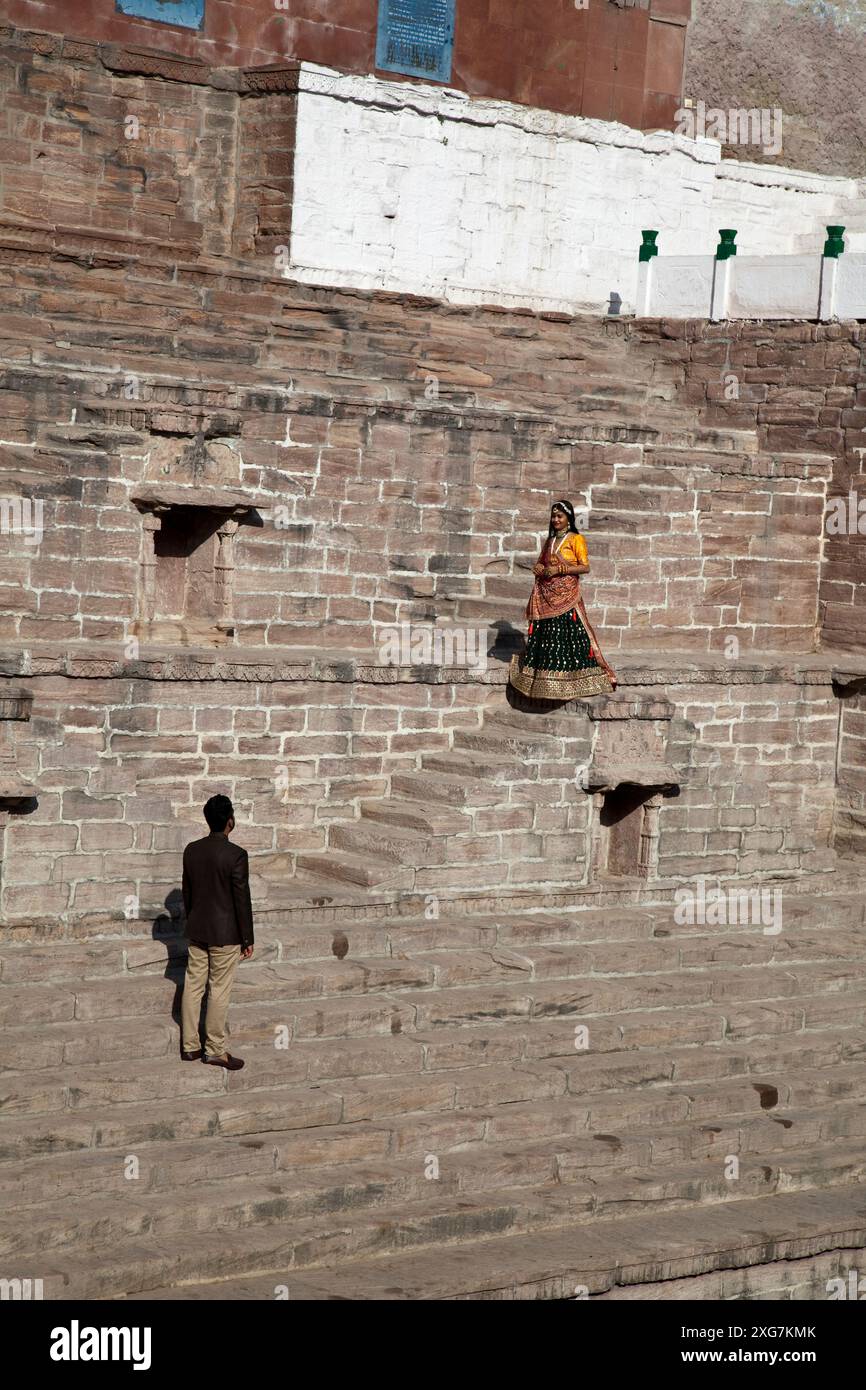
216,892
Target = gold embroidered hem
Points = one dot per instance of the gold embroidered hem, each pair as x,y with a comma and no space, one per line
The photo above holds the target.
558,685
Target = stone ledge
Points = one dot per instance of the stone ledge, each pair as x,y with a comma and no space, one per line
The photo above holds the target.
226,499
326,905
651,1252
86,662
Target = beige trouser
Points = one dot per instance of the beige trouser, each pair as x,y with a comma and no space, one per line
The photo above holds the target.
214,967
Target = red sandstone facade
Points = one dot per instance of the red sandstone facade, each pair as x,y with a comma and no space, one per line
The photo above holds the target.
617,60
465,911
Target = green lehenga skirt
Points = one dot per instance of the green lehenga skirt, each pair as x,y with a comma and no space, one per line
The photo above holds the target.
559,662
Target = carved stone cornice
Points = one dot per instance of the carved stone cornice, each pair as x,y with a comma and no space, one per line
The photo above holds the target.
149,62
275,77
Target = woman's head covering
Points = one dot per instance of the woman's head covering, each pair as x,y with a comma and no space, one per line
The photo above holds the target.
569,512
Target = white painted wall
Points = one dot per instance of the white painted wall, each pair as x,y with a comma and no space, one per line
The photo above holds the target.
415,188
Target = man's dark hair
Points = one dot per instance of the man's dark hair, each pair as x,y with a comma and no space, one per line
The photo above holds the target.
218,812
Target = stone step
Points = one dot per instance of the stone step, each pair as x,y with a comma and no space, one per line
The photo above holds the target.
132,948
392,843
742,967
364,1042
66,1068
152,1235
553,978
482,767
528,720
318,1062
494,871
346,868
424,1055
426,787
674,1088
651,1251
523,745
271,1193
427,817
434,1113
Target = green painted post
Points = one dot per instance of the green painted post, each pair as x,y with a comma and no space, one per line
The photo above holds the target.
727,245
648,247
835,243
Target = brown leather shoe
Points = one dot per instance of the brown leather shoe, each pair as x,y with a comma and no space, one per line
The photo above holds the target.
192,1056
228,1061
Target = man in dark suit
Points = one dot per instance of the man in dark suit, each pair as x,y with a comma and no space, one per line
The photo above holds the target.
219,924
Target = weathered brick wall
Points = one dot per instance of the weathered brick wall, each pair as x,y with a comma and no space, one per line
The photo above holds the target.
378,502
400,455
610,60
762,792
114,151
123,765
215,161
800,387
125,754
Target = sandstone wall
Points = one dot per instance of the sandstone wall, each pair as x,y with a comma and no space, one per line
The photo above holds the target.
375,184
803,56
373,458
399,460
124,755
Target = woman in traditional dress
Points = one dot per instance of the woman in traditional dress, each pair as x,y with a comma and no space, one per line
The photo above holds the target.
562,660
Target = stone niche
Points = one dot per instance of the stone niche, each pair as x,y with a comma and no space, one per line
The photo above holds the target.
191,507
16,790
628,778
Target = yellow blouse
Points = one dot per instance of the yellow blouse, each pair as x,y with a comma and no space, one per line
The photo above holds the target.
573,550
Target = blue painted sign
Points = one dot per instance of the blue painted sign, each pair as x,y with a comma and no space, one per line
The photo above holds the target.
188,14
416,37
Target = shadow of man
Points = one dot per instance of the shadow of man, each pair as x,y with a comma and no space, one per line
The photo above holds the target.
169,928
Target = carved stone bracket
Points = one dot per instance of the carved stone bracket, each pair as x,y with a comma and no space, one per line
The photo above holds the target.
630,774
602,777
631,745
